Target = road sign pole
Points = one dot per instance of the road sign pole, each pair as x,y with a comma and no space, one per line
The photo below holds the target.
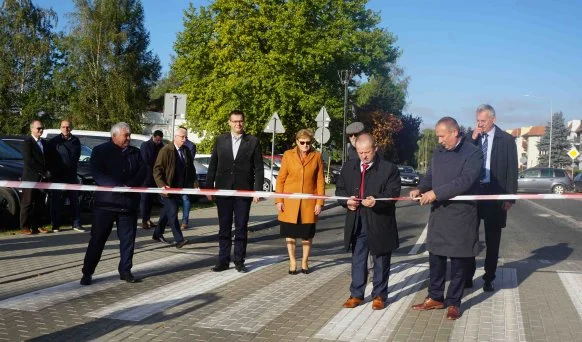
273,153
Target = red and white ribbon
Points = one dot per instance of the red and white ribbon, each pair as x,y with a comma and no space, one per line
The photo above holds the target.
263,194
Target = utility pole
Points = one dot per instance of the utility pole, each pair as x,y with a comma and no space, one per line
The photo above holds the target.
345,76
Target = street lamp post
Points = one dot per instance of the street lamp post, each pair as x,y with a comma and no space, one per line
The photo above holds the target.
551,126
345,76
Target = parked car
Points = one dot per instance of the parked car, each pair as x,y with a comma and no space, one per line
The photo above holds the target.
11,170
408,175
204,159
578,182
543,180
90,139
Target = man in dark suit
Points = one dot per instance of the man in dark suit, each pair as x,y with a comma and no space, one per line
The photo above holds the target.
149,152
499,174
452,226
114,163
187,199
64,170
370,226
174,168
236,163
36,155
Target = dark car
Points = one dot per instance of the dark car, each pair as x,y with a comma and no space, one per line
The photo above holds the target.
408,176
83,170
10,169
578,182
543,179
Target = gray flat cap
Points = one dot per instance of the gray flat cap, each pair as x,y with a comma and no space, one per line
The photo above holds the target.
355,128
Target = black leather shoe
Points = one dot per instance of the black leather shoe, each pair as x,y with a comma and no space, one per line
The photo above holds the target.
182,243
488,286
86,280
160,238
241,268
129,278
292,272
305,270
220,267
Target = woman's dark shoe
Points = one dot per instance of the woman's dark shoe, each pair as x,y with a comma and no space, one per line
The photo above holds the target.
293,272
305,270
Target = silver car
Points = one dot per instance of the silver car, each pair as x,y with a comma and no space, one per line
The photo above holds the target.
543,180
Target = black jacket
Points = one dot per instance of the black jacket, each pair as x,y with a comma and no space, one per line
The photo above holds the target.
149,153
37,164
382,179
110,166
453,225
246,172
68,151
503,173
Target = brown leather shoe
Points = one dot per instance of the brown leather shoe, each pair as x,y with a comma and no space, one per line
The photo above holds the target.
428,304
43,230
27,231
378,303
453,312
184,226
352,302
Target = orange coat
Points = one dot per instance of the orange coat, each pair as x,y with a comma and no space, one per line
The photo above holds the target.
306,177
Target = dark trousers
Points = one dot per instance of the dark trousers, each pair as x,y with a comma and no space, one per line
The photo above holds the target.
438,277
227,207
55,210
360,266
101,228
32,209
145,204
170,214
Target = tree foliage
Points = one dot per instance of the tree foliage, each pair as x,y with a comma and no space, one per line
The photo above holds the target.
426,145
560,144
385,127
26,64
265,56
106,68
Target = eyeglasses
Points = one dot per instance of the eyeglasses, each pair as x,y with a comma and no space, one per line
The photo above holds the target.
39,128
66,127
240,122
304,143
353,135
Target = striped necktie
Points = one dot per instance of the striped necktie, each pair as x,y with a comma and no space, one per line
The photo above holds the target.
484,146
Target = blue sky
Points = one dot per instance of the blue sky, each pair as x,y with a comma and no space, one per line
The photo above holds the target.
458,54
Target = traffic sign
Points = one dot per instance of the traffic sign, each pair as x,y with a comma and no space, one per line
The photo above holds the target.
274,125
322,118
322,135
573,153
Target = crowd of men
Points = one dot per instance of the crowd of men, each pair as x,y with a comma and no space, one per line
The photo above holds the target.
483,161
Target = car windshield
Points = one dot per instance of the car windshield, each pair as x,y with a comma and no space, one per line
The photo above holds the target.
406,169
8,153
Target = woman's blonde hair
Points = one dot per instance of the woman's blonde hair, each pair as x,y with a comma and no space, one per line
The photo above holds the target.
304,133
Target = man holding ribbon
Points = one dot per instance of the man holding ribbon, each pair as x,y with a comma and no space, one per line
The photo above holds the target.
498,176
370,225
174,168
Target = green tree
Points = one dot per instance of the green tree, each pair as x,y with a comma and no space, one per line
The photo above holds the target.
265,56
107,63
427,143
407,140
560,144
26,53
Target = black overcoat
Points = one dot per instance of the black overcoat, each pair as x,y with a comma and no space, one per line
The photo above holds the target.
382,179
503,170
453,229
36,163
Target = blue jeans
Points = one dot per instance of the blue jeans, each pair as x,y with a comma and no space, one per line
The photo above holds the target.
186,209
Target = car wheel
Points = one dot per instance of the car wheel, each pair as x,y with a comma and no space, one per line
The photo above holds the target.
266,185
9,206
558,189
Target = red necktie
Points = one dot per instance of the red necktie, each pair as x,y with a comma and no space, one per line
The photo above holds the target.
362,183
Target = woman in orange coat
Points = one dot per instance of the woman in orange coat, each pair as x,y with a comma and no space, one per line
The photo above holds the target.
301,171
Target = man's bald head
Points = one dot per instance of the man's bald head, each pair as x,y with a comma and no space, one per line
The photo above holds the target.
366,147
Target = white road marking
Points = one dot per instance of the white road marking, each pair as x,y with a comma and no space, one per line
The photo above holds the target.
38,300
573,284
254,312
363,323
421,240
157,300
491,316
